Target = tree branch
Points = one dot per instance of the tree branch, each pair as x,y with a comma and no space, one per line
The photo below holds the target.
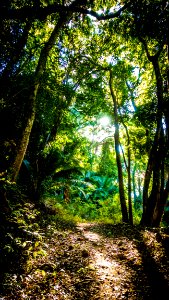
37,12
151,57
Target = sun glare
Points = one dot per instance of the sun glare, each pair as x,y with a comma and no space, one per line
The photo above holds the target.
101,130
104,121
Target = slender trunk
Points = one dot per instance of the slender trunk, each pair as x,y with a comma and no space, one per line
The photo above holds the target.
148,175
128,168
161,200
21,150
139,188
66,193
129,178
154,167
154,197
134,186
159,208
117,150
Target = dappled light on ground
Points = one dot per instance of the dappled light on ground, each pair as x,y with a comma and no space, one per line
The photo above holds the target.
107,259
94,262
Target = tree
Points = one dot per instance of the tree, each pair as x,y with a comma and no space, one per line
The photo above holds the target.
64,15
81,59
153,205
117,149
150,29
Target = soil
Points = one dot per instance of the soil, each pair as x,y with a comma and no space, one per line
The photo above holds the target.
94,262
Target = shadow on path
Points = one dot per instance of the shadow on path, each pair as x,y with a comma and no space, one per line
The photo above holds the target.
151,278
95,262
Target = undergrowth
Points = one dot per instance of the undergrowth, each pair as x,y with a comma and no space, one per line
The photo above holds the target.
24,228
79,211
22,233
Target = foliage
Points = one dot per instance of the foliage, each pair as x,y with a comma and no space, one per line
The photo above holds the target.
65,66
71,76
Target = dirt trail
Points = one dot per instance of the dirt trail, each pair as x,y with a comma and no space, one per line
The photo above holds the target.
129,263
95,262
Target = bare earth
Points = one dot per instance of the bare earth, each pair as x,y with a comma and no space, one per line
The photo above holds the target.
96,261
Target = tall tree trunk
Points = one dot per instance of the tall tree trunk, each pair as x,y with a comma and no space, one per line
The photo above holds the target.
148,174
157,154
129,177
159,208
154,197
117,150
162,190
128,168
134,185
22,147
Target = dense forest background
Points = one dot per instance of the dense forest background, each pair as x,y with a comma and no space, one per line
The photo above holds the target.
84,137
84,108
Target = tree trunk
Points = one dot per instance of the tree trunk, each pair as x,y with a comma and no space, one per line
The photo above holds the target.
155,201
162,192
147,206
129,178
22,147
154,197
117,150
159,208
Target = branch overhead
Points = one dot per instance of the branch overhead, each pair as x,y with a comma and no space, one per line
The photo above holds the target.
37,12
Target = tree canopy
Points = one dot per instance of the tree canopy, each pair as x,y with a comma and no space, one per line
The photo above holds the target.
65,68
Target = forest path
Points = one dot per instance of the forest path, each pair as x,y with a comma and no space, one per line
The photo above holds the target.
94,262
129,263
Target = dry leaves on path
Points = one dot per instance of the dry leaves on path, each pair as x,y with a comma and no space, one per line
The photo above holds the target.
97,261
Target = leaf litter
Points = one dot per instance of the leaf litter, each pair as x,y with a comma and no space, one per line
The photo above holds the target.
94,261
